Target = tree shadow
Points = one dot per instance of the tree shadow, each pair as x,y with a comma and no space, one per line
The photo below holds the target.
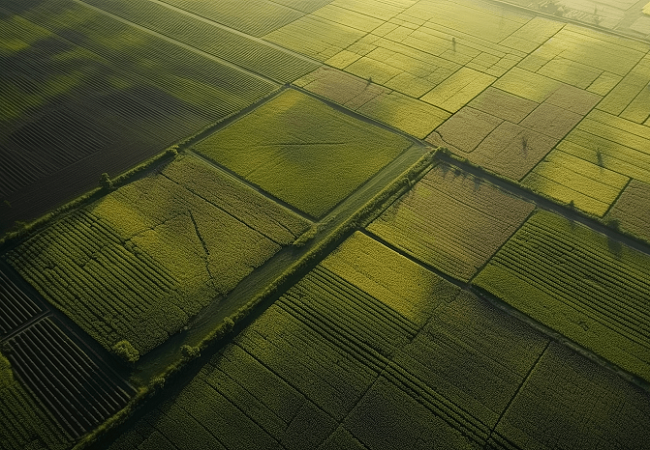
615,247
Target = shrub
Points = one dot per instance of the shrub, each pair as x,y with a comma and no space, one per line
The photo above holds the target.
105,182
306,236
126,351
190,352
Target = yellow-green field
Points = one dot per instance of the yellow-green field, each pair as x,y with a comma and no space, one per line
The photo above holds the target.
136,265
452,221
303,151
324,224
370,350
579,283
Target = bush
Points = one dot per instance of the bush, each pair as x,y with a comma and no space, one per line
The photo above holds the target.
306,236
105,182
126,351
190,352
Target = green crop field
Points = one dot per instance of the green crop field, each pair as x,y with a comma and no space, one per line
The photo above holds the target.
254,17
136,265
78,390
347,359
452,221
324,224
379,103
17,307
201,34
593,290
564,385
303,151
24,424
632,210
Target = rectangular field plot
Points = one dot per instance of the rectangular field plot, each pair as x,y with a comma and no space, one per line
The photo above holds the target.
77,391
510,127
137,264
630,99
24,420
453,93
452,221
92,95
582,406
209,37
254,17
585,59
582,284
632,210
315,37
569,179
613,143
303,151
433,51
377,102
369,350
16,306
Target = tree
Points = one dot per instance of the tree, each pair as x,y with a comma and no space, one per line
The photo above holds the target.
105,182
126,351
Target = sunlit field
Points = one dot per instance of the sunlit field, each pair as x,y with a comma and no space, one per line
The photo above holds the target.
324,224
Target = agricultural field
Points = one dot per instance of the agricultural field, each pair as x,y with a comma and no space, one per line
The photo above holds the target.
77,391
25,424
609,147
375,101
84,93
451,221
561,108
347,359
360,224
204,35
584,285
132,268
511,129
631,212
302,151
17,308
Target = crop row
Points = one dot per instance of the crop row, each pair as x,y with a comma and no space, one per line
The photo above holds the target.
17,308
198,76
76,390
349,310
436,403
612,309
93,93
24,422
621,279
